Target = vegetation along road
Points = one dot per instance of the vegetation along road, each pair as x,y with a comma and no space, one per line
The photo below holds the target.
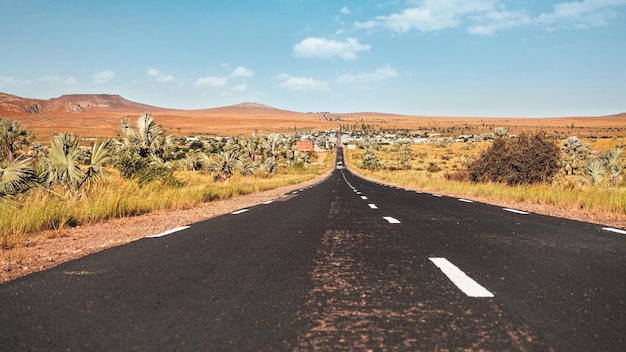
346,264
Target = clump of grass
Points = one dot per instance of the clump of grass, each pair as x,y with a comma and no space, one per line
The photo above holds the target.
117,197
592,199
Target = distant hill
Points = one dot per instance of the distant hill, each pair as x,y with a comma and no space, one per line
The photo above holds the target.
12,105
248,108
73,103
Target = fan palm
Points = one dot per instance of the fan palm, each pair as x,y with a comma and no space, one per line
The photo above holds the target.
15,176
148,139
64,160
65,167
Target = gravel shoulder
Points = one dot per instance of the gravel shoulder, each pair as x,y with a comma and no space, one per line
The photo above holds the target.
47,249
51,248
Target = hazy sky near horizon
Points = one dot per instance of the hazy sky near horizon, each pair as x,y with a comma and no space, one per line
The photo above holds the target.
534,58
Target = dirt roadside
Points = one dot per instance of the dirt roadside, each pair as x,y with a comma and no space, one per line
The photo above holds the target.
50,248
47,249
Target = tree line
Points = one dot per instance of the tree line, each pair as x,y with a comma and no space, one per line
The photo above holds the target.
143,153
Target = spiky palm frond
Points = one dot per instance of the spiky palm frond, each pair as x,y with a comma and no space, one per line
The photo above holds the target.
64,160
595,170
16,176
614,159
101,154
247,168
270,165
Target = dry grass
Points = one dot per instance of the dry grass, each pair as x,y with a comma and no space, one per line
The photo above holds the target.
565,197
118,197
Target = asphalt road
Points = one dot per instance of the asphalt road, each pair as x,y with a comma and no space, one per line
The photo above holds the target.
344,265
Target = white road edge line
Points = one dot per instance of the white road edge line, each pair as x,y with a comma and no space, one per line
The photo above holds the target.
437,195
516,211
168,232
239,211
623,232
466,284
373,206
268,202
391,220
466,200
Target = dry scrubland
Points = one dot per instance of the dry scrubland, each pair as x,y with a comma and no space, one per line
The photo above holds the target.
119,197
567,196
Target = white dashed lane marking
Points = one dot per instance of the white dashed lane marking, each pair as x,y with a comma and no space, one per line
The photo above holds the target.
516,211
391,220
373,206
466,284
168,232
363,197
622,232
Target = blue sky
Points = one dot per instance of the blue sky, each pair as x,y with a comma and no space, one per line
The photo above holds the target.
535,58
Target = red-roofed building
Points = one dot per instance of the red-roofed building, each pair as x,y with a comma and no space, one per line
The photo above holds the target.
304,146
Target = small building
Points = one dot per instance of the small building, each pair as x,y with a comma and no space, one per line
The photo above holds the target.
304,146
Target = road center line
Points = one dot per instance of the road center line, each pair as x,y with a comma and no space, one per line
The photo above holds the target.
168,232
239,211
470,287
391,220
516,211
623,232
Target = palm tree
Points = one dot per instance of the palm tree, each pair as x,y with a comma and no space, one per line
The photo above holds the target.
65,167
64,160
12,139
15,176
148,139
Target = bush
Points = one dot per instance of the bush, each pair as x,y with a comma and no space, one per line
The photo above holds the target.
526,160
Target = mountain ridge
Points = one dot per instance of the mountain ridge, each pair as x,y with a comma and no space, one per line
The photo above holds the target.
79,103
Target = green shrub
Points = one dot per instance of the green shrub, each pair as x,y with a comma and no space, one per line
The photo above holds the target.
527,159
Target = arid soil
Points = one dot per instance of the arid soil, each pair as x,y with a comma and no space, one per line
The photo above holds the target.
50,248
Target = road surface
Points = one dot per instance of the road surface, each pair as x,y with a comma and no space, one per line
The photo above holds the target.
346,264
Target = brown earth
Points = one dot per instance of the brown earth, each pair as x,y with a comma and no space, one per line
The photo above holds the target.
92,116
51,248
99,115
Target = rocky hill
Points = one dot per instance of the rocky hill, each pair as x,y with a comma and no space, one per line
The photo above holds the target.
73,103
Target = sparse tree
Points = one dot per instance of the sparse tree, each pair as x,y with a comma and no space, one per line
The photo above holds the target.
13,139
16,176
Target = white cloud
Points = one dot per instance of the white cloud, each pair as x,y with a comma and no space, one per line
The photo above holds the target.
345,10
242,72
211,81
239,88
383,73
487,16
433,15
583,14
51,79
301,83
488,23
103,77
323,48
8,80
158,76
